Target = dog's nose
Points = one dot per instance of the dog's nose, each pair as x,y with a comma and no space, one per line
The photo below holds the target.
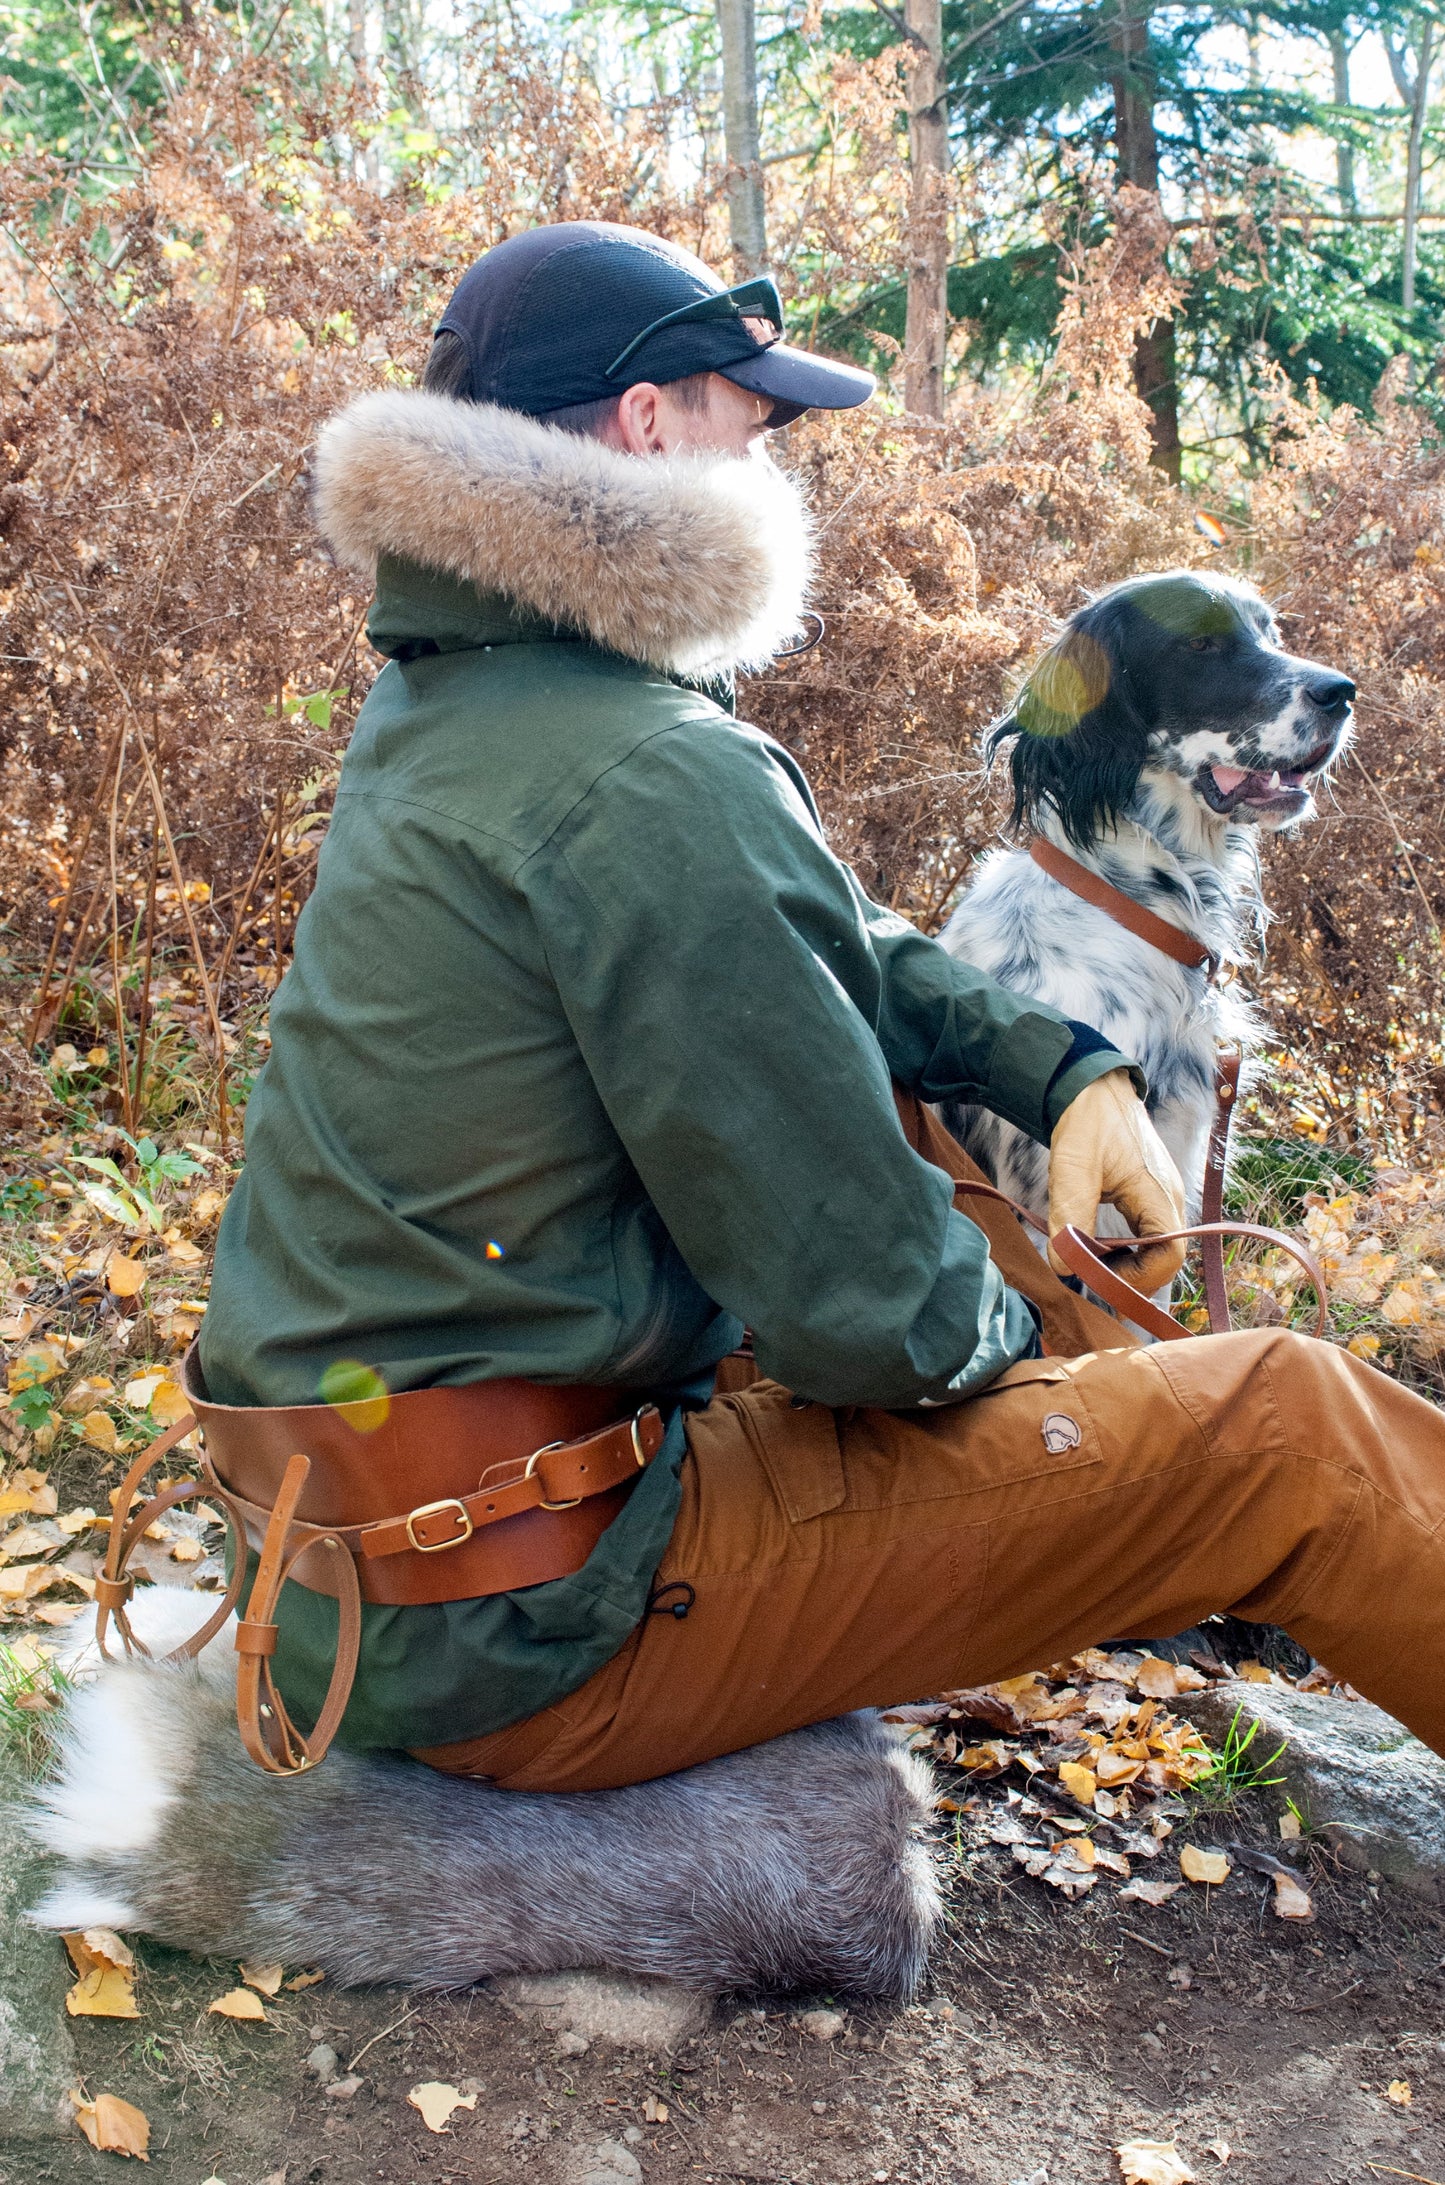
1331,693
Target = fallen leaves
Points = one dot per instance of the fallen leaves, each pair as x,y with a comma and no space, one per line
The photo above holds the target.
1398,2091
1291,1901
1209,1868
237,2003
113,2126
265,1978
124,1276
436,2103
1147,1892
1153,2162
105,1965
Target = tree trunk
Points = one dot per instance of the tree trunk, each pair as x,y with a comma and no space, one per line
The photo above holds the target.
361,73
1414,166
925,337
1136,150
747,215
1344,153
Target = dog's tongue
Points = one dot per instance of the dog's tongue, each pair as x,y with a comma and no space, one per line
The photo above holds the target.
1229,778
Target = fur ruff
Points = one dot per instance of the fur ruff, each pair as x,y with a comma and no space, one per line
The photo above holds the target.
799,1864
694,565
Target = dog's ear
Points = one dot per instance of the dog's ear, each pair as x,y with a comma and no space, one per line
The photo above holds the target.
1079,741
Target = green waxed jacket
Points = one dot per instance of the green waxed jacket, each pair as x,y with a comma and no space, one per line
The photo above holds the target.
583,1062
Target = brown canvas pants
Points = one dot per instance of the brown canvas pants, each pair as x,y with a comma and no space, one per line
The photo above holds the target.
856,1558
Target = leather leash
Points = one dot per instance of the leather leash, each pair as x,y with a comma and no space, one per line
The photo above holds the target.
1182,948
1088,1258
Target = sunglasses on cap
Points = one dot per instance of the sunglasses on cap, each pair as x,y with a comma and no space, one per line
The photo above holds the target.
755,299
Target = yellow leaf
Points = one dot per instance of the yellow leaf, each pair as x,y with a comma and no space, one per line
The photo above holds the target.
36,1365
265,1977
1364,1346
305,1980
1255,1673
106,1986
114,2126
98,1429
435,2103
207,1204
1289,1827
185,1254
138,1393
77,1521
1080,1783
1209,1867
237,2003
124,1277
81,1398
186,1550
1290,1900
1114,1768
168,1404
1153,2162
1398,2090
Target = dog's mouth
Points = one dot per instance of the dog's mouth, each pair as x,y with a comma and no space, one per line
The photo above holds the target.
1282,793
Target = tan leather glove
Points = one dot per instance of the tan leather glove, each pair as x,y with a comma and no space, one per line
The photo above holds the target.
1105,1150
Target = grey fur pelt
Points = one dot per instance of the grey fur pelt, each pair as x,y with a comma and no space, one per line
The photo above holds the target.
798,1864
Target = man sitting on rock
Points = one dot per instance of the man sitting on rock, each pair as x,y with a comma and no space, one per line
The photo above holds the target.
593,1055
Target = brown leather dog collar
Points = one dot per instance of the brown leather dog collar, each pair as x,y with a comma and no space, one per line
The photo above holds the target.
1091,887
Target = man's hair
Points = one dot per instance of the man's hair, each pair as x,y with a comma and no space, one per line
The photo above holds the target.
448,373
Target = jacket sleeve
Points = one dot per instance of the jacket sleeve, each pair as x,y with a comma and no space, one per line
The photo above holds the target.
723,975
950,1032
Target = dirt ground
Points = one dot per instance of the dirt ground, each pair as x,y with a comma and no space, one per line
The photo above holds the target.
1050,2032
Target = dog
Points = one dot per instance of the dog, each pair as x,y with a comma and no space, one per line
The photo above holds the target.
1162,733
801,1864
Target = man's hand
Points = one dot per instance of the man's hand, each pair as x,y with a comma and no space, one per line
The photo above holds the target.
1105,1150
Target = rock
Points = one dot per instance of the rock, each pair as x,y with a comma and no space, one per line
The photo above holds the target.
654,2014
822,2025
323,2062
572,2044
37,2053
343,2090
1358,1776
608,2163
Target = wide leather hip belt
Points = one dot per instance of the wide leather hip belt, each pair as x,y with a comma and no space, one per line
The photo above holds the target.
442,1494
439,1494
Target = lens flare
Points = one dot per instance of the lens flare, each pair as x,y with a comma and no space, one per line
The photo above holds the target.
360,1389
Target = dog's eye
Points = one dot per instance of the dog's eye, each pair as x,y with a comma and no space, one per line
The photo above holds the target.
1204,644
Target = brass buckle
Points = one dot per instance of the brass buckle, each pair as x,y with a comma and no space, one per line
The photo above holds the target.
530,1466
429,1509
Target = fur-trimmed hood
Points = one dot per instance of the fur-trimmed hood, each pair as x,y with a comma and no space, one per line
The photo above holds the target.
691,564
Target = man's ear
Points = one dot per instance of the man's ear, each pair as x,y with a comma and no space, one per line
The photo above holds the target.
639,421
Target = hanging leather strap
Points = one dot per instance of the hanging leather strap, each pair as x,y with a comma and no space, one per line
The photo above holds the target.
268,1732
1211,1249
1091,887
1088,1258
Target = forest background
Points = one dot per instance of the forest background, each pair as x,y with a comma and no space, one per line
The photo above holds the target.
1147,281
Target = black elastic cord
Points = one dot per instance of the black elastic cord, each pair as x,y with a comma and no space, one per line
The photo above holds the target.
810,614
659,1605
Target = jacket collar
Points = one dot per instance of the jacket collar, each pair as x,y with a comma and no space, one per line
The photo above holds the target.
692,565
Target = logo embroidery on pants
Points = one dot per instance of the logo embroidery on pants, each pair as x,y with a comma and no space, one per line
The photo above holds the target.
1060,1433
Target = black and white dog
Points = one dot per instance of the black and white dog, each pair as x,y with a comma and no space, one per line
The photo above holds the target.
1159,734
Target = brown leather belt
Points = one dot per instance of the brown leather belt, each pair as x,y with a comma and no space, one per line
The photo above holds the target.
315,1489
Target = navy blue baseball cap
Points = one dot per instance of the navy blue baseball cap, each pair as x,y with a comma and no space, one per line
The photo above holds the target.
583,310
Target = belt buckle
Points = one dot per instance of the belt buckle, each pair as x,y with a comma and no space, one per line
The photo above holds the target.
430,1509
530,1467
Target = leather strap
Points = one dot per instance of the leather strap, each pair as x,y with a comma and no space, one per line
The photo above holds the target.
589,1473
1091,887
1088,1258
1211,1249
